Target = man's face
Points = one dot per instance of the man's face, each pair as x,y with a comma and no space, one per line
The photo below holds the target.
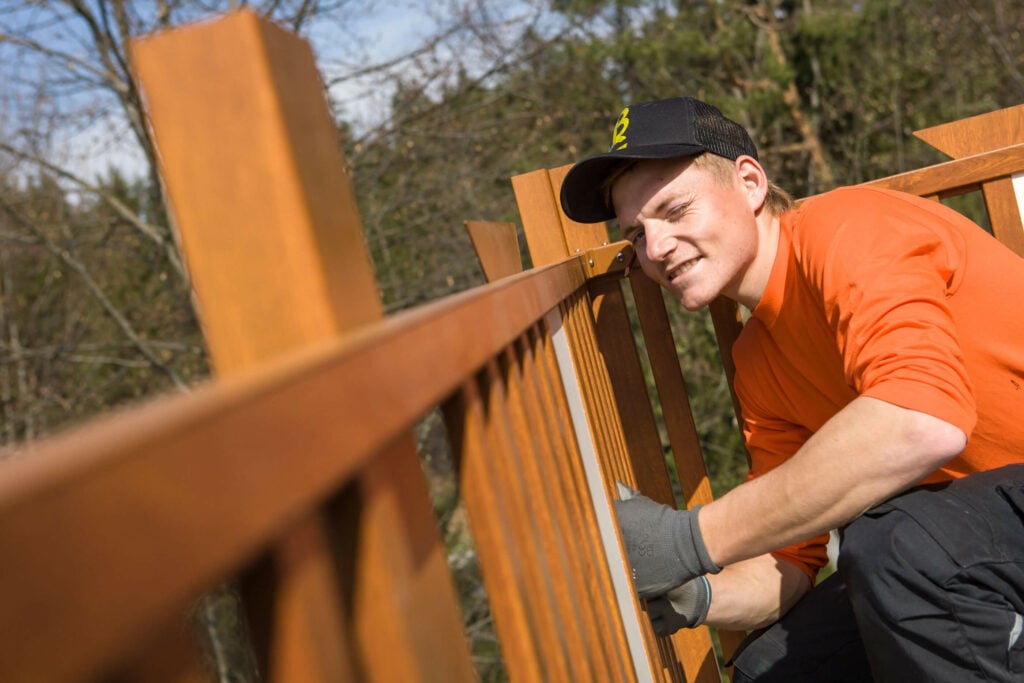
694,232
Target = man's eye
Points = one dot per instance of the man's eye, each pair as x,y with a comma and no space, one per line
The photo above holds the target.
636,236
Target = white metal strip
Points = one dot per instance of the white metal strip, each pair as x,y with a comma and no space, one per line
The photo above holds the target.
621,582
1018,190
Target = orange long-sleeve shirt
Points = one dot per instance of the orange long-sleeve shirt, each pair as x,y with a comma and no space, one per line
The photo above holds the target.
883,294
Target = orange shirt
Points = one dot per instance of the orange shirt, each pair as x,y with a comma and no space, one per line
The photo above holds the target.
883,294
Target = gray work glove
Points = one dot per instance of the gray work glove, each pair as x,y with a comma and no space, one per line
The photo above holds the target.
685,606
664,545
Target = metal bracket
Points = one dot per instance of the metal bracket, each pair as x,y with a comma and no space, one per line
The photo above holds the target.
607,259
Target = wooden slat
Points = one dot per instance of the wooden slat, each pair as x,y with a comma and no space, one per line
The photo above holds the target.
555,446
976,135
550,234
182,455
615,340
579,237
959,176
300,579
686,451
546,499
672,395
492,522
615,460
725,315
403,602
246,139
596,581
539,212
604,421
497,248
496,472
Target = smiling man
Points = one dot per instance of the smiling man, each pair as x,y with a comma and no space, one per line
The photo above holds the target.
881,380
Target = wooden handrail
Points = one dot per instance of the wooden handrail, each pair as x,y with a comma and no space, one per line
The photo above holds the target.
959,176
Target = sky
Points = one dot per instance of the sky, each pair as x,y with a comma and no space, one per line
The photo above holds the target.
373,33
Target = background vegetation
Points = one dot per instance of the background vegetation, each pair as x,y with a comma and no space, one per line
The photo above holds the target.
95,308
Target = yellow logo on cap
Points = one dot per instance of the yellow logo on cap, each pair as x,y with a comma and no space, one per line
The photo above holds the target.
619,132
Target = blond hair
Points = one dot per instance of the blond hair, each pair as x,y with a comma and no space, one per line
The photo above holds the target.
777,200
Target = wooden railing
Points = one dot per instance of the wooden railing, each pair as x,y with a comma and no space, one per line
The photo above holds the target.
295,471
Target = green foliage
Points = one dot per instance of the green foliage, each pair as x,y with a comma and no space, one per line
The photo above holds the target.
75,277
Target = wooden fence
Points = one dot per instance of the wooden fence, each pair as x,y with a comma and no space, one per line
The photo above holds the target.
295,470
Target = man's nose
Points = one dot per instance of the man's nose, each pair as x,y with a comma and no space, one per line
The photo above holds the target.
659,241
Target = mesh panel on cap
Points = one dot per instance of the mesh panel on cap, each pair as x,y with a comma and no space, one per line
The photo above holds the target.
720,135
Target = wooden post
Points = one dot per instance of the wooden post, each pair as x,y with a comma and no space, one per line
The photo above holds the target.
983,133
273,243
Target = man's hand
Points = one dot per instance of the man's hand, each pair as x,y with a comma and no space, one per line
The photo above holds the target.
685,606
664,545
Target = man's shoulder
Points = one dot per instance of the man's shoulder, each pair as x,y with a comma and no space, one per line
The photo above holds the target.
852,201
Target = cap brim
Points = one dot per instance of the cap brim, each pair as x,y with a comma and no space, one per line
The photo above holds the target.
583,195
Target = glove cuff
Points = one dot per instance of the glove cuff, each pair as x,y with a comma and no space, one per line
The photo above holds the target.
696,540
703,601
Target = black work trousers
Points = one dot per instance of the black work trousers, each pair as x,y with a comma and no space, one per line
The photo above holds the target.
930,587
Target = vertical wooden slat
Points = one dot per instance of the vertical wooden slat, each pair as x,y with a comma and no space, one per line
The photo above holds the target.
984,133
606,424
491,478
615,460
615,341
566,459
725,315
579,237
672,395
531,528
497,248
491,522
538,210
574,616
558,456
273,241
404,615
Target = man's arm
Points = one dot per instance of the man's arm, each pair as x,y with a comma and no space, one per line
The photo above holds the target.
866,453
754,593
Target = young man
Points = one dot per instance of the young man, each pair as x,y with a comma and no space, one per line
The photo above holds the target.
881,380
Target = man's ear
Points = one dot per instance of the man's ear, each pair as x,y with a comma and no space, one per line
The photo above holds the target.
753,179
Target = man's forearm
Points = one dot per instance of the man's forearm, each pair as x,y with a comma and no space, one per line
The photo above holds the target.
754,593
866,453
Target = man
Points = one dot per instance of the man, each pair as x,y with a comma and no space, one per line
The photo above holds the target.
883,360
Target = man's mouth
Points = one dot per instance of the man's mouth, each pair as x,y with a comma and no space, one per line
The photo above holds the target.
676,272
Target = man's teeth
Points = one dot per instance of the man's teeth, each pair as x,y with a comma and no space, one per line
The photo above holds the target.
683,268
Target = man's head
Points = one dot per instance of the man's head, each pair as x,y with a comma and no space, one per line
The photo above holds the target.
664,129
689,192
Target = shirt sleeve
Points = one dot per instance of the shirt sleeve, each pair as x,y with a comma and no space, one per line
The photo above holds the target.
884,265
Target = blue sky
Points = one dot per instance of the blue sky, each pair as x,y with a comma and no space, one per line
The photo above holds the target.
371,33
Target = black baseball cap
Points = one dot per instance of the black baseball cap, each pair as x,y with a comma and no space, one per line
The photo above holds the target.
676,127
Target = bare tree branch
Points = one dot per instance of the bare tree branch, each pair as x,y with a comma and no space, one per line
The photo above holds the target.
108,306
152,232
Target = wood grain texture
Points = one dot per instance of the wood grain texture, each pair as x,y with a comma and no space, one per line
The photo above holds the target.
249,152
497,248
958,176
